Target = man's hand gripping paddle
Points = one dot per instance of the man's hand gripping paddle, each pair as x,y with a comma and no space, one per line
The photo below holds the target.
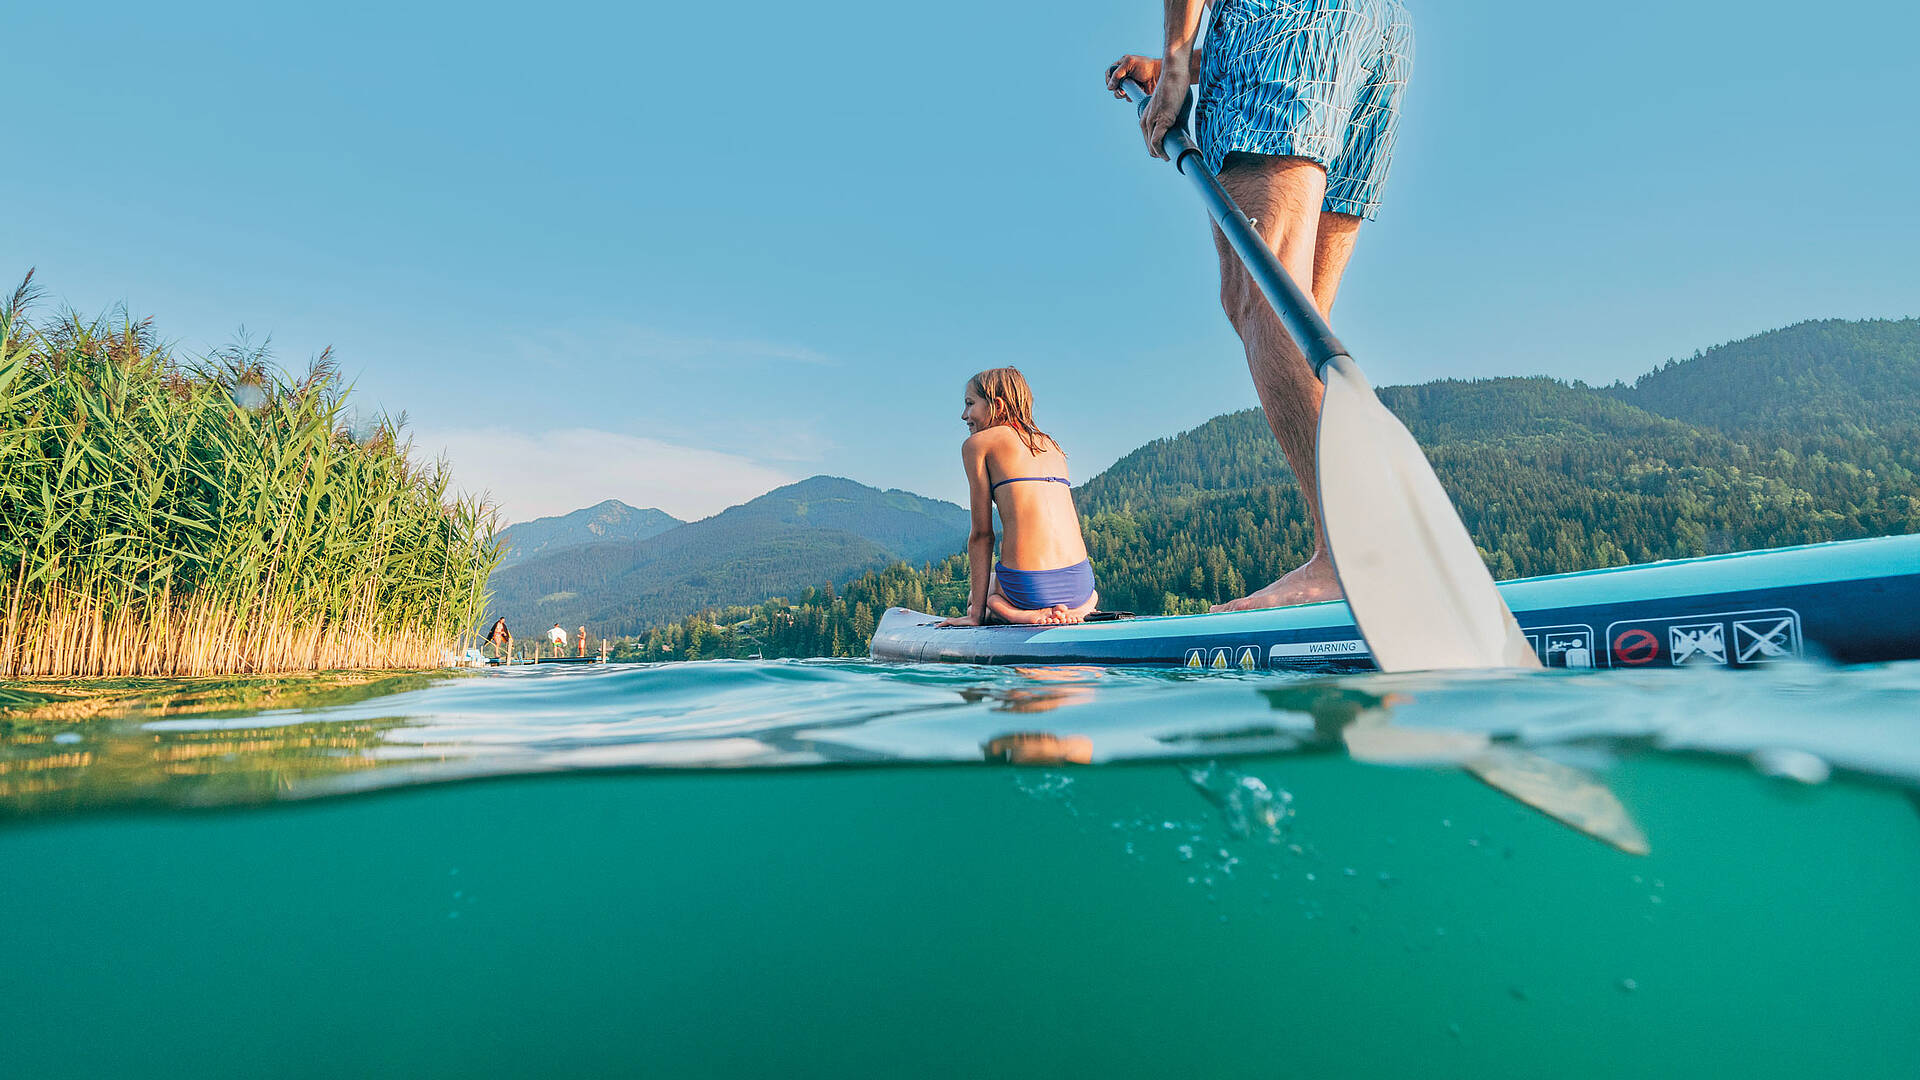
1418,589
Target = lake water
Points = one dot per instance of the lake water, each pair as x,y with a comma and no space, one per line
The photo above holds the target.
850,869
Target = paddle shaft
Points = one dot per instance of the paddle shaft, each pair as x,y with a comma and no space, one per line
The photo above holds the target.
1290,302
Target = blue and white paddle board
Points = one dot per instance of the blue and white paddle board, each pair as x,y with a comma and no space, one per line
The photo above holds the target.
1850,601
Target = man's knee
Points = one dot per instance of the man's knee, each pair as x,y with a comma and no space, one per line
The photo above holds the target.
1277,192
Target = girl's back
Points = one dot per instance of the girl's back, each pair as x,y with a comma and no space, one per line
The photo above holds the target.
1039,528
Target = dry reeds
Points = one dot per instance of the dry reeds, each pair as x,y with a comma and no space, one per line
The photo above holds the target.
160,518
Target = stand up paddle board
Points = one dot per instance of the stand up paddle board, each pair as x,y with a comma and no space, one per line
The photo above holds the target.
1851,601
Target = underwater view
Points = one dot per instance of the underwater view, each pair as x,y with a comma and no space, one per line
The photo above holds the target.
842,868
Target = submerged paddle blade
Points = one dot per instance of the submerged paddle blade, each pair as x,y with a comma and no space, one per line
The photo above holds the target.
1563,793
1421,594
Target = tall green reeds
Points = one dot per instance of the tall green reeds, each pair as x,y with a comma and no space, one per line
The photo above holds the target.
160,517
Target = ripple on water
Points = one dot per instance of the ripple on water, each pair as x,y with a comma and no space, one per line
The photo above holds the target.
1799,722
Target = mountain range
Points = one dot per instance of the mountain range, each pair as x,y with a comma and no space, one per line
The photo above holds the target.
818,531
606,522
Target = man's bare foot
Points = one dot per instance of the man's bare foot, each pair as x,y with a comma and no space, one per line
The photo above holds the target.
1310,583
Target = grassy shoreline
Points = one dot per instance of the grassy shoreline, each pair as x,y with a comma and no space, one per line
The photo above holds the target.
171,516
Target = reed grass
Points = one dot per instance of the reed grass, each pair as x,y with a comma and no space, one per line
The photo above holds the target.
160,516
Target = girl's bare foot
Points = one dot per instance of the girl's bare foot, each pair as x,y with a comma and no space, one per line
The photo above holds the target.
1310,583
1000,606
1085,608
1057,615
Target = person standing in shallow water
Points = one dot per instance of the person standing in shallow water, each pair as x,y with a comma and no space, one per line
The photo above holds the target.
1298,101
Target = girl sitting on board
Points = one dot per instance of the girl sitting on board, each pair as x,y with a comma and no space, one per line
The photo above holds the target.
1043,575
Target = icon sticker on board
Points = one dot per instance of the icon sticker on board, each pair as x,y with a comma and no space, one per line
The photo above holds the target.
1636,647
1573,650
1221,658
1698,643
1759,641
1249,658
1568,646
1196,658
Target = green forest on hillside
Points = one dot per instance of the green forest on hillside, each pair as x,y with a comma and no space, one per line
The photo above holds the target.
1795,436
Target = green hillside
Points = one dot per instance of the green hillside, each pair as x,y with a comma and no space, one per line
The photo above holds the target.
1795,436
1812,377
911,526
819,530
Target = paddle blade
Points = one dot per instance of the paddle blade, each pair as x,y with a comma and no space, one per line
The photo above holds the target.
1563,793
1419,591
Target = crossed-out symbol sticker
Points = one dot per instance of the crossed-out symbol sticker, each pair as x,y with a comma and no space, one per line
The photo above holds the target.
1757,641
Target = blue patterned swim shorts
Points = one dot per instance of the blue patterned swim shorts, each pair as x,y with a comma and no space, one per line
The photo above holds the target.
1318,79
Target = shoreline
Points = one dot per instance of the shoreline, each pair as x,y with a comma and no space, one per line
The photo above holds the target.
63,698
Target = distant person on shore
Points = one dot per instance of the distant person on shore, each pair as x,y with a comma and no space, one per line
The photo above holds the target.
559,639
1296,114
580,640
1043,575
501,638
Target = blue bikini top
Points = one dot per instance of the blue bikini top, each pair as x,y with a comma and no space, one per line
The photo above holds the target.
1016,479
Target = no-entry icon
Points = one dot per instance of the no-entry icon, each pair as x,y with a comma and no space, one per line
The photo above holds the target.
1636,647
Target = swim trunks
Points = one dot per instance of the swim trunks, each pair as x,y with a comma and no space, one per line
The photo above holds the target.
1319,79
1031,590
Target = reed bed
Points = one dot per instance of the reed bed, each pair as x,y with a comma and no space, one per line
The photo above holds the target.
160,516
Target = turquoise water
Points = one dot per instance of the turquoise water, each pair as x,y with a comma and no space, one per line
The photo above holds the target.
833,869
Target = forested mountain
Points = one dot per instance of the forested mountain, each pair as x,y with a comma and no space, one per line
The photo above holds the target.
1794,436
1237,452
819,530
608,521
911,526
1811,377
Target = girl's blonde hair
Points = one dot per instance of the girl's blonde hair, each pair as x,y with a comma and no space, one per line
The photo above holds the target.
1010,401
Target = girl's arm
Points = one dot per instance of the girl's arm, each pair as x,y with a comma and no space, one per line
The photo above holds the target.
973,458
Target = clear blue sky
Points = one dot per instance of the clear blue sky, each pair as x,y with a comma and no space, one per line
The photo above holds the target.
677,254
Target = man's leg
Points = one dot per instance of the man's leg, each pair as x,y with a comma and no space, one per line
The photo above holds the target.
1333,246
1283,195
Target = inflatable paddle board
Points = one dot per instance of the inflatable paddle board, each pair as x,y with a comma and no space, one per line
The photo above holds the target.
1851,601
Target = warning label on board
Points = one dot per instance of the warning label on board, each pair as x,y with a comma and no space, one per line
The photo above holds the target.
1297,649
1728,638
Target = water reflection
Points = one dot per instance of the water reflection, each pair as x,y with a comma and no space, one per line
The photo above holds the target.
73,746
1542,739
1040,748
121,766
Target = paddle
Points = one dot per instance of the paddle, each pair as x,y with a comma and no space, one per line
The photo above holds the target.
1419,592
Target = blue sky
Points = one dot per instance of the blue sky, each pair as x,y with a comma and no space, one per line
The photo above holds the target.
680,254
